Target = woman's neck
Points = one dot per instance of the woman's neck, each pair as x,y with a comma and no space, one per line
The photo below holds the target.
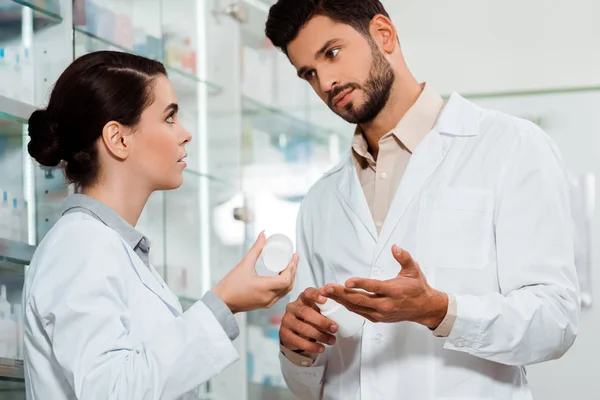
125,201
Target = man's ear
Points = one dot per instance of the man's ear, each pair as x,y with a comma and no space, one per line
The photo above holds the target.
384,33
115,140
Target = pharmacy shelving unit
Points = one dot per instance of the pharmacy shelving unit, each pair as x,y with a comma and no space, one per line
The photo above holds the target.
199,231
27,194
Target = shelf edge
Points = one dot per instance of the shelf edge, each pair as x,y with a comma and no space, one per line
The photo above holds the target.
16,108
16,252
12,369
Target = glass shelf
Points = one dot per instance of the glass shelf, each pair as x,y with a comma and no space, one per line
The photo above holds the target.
14,110
186,242
182,80
16,253
49,8
23,23
45,13
12,17
11,370
277,122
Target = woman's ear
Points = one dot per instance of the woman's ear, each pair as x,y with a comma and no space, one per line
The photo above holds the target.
115,140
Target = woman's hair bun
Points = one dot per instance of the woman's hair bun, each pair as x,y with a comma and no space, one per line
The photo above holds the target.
45,143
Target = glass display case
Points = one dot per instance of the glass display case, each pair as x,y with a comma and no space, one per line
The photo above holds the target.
285,149
29,195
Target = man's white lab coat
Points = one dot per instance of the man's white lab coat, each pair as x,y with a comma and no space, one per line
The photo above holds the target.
484,208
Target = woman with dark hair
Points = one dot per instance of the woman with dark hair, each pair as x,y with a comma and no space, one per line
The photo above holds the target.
100,323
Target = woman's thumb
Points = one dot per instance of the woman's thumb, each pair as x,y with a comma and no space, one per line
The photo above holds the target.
256,249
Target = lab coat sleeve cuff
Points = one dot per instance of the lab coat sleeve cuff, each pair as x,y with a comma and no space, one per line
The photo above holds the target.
444,329
301,359
222,313
466,331
309,376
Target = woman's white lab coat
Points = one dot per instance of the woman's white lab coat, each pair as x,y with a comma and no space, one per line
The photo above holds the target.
100,324
484,208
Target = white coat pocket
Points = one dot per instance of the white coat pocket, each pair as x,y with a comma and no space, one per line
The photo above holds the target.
456,228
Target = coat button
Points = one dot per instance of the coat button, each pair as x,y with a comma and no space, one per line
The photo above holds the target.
378,338
376,272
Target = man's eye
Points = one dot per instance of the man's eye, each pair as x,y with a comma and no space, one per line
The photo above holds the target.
332,53
309,75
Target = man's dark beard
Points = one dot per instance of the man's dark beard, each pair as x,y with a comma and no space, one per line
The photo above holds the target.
377,91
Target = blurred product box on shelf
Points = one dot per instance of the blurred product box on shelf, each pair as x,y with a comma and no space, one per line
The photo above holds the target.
13,217
16,70
146,45
263,342
179,51
91,17
106,24
124,31
11,328
257,74
79,12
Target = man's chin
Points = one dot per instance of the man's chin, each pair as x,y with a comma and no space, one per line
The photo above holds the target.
346,113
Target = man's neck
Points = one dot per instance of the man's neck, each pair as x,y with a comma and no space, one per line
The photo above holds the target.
402,98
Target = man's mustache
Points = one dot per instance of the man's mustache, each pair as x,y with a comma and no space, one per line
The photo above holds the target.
339,89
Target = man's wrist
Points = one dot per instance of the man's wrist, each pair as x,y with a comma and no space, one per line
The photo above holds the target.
298,357
436,309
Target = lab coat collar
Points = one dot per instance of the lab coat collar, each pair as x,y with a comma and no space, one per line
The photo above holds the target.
131,237
459,117
107,216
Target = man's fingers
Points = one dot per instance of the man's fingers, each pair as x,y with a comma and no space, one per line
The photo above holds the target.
308,331
312,296
292,340
409,265
350,298
370,285
313,317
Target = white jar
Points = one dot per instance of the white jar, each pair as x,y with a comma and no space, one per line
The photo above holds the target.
277,253
348,322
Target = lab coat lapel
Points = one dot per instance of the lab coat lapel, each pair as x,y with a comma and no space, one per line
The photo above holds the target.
458,118
353,196
154,283
425,160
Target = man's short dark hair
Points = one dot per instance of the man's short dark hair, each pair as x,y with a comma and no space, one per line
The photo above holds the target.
287,17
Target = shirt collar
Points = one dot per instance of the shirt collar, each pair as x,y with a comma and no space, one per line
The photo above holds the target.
106,215
412,128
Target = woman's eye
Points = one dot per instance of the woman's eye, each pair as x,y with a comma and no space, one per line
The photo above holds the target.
171,119
332,53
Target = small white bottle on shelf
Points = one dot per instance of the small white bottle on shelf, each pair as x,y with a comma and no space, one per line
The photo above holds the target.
27,75
18,318
15,221
24,219
8,345
3,72
5,216
348,322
